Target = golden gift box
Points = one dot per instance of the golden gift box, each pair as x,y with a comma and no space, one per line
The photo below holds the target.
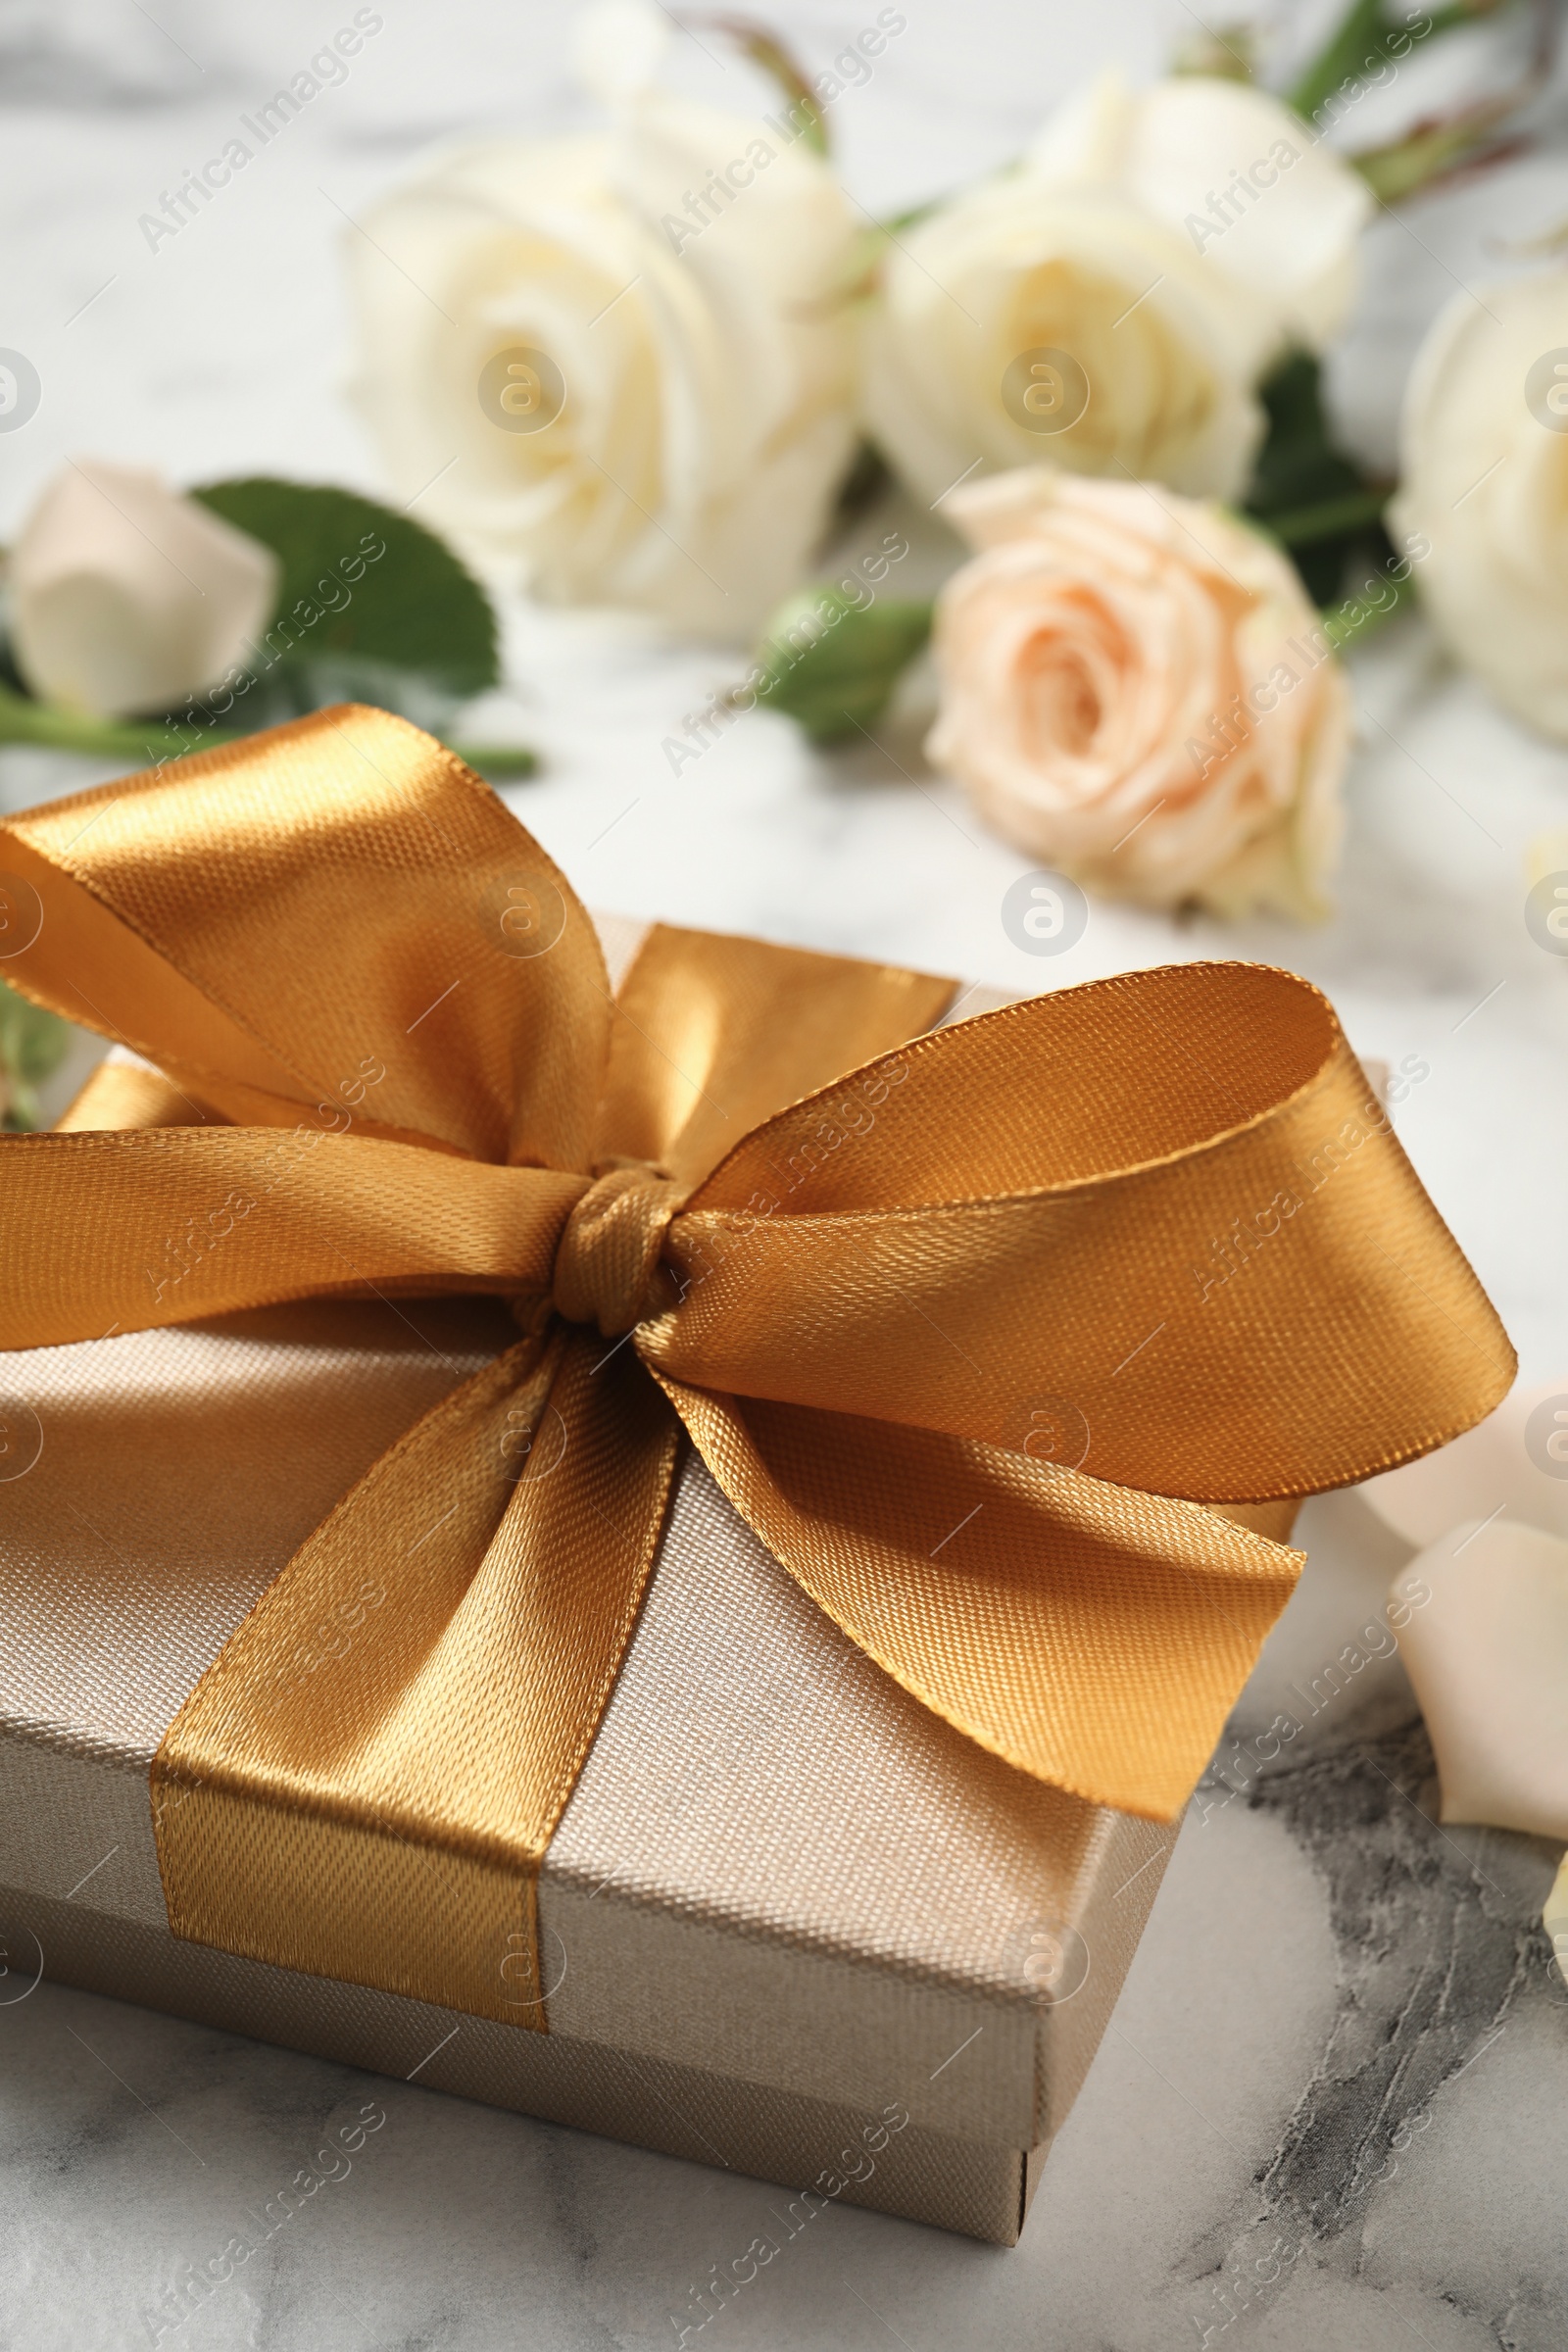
659,1554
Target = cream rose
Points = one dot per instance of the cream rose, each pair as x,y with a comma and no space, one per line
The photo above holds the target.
1110,305
126,596
1136,690
1024,319
1253,189
627,361
1485,465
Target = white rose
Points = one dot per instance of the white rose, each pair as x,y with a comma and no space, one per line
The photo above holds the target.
1136,690
679,444
1120,270
1254,189
127,597
1026,320
1485,465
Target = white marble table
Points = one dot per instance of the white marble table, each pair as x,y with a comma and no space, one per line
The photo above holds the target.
1323,1962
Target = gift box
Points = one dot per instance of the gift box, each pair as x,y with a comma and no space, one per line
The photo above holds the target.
745,1714
784,1901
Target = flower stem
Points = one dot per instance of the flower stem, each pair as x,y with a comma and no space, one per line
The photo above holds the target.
23,720
1340,60
1350,622
1438,150
773,58
497,759
1356,46
1330,519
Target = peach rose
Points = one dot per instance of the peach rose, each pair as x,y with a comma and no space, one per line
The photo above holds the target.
1136,690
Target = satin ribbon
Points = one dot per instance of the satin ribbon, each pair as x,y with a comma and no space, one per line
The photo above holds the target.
970,1324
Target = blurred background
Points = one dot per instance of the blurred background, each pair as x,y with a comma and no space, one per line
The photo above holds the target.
225,351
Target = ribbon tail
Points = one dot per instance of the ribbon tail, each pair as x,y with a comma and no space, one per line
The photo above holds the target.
146,1226
1089,1633
363,1784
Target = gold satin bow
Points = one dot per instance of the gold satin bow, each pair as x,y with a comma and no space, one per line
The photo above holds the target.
970,1323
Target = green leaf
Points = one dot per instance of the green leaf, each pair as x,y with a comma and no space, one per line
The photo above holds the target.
832,665
373,606
34,1043
1298,464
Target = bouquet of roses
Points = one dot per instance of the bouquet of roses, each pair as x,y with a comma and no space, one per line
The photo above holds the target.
661,364
668,353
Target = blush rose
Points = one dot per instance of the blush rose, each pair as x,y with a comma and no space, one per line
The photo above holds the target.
1136,690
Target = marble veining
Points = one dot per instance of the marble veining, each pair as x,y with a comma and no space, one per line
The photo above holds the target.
1439,1947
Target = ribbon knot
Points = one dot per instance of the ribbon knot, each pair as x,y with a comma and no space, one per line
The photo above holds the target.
607,1261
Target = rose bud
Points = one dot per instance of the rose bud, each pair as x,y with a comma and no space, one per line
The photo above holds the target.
127,597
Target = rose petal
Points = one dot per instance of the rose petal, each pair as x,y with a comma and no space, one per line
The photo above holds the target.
1162,351
1136,690
1513,1463
1489,1658
1479,511
683,276
127,597
1252,189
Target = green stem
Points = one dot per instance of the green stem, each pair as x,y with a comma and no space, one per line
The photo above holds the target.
1350,622
23,720
1432,151
498,759
770,55
1341,58
1330,519
1359,39
1457,15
